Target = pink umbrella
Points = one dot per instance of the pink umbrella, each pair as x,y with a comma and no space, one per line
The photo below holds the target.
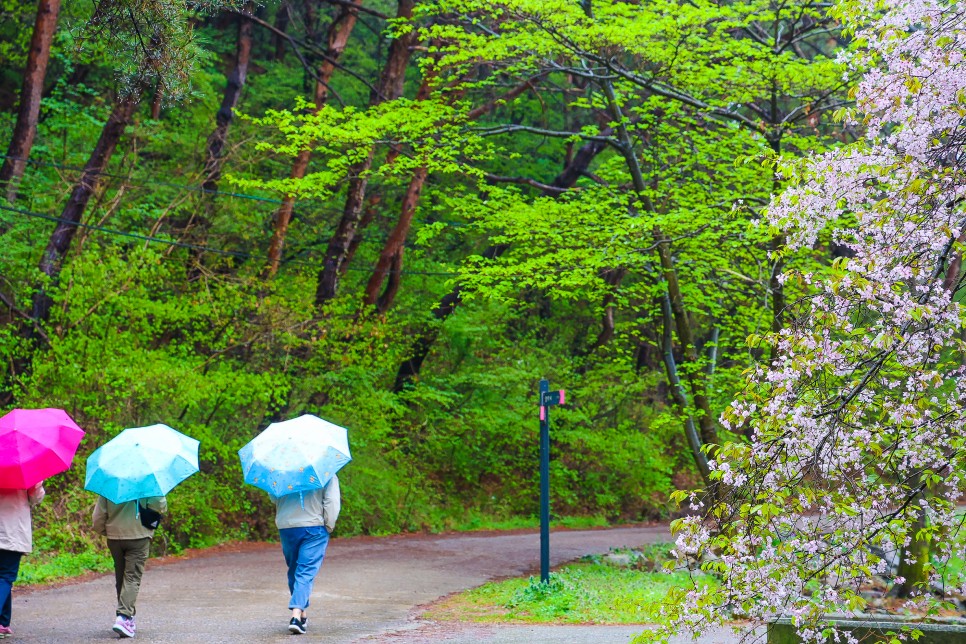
35,444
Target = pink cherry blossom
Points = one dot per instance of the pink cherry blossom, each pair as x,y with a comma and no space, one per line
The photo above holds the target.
857,424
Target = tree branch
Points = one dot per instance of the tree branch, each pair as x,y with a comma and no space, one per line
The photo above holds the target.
508,128
554,190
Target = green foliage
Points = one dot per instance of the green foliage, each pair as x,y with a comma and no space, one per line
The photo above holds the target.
16,23
162,313
45,569
598,593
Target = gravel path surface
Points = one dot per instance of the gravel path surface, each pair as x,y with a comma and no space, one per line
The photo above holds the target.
370,590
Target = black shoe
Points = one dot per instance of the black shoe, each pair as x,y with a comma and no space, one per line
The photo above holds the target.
296,626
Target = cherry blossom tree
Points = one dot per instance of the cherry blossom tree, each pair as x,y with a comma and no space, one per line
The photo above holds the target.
858,424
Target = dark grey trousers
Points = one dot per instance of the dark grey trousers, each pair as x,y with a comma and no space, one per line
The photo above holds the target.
129,557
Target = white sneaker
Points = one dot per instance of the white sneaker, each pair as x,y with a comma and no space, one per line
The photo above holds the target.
124,626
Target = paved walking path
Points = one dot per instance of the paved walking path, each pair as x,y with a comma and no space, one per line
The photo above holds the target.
369,590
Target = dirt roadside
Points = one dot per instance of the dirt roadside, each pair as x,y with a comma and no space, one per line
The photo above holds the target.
370,590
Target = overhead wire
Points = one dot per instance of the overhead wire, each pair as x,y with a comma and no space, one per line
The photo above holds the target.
144,183
180,244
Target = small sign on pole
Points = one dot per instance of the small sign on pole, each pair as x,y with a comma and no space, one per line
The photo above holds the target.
547,399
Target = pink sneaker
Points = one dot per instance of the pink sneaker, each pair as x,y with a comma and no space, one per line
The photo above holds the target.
124,626
5,632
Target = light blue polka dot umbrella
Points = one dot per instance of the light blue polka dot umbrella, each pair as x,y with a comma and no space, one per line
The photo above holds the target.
141,462
295,455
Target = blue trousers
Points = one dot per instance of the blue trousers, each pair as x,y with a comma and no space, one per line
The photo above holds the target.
9,567
304,549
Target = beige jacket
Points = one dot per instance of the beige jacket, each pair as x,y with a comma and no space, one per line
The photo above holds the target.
122,520
15,529
317,507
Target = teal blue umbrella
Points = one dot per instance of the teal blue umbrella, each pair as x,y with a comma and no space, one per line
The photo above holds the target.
295,455
141,462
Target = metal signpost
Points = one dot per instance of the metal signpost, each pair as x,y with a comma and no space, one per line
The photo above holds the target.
547,399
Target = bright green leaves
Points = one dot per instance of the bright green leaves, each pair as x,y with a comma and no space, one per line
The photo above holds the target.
430,131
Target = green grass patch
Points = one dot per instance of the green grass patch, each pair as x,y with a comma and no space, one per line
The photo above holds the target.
39,568
585,592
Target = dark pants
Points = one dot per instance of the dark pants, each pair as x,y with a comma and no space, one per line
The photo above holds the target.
9,567
129,557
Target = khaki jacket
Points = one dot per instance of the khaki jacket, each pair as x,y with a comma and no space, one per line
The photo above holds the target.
122,520
316,507
16,533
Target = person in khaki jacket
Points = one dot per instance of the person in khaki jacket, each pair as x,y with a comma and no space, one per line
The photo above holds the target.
304,521
129,542
16,540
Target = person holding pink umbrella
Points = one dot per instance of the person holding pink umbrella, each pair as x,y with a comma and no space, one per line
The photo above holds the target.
15,541
35,444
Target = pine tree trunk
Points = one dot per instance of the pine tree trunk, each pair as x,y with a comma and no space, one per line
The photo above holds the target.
281,23
391,256
233,89
338,37
60,239
157,102
390,87
25,129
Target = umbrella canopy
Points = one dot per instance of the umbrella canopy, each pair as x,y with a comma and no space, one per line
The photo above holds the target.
295,455
141,462
35,444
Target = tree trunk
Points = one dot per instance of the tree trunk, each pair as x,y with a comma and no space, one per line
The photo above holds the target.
157,102
281,23
389,88
368,214
677,391
581,161
236,82
34,73
608,327
389,265
696,378
369,211
60,239
338,37
912,560
311,20
775,285
409,369
392,252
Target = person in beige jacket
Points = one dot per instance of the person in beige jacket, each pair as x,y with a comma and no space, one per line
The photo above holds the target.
304,521
16,540
129,542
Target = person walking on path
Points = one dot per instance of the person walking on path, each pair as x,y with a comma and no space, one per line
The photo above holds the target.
16,540
304,521
129,539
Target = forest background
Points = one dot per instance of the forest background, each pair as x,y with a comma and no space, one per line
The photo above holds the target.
399,216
